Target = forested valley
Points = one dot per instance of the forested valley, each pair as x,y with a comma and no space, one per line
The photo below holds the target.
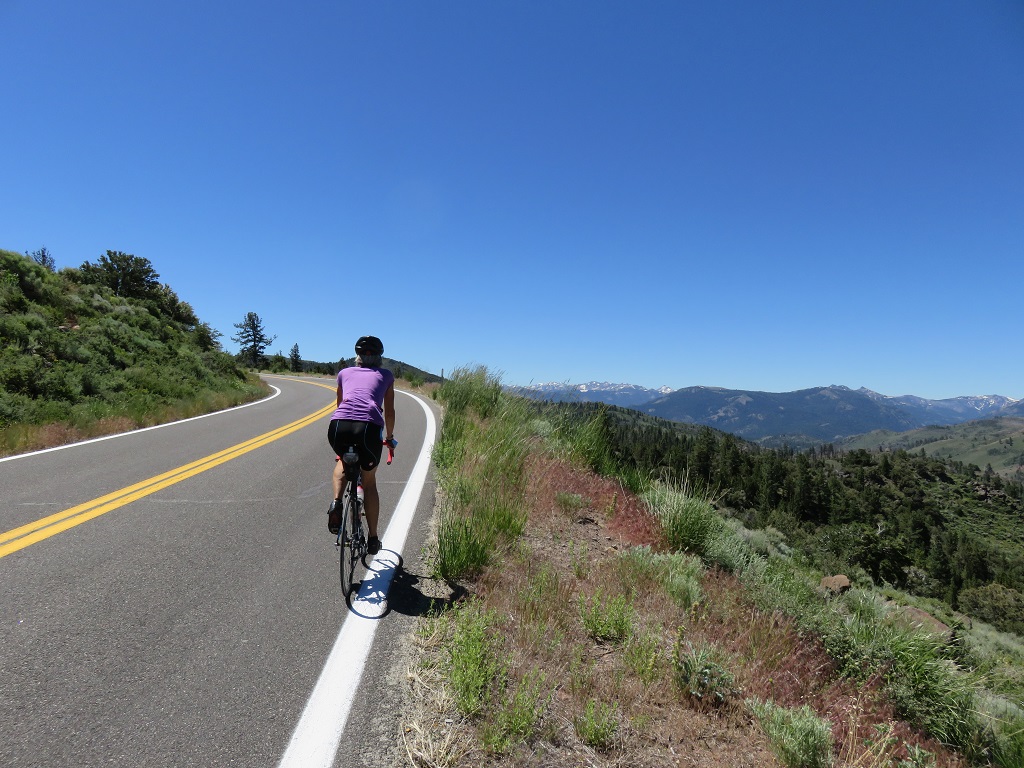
942,530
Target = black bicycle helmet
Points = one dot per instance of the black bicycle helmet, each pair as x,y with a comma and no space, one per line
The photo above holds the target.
369,345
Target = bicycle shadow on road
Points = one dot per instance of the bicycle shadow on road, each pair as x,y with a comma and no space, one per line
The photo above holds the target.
414,594
389,587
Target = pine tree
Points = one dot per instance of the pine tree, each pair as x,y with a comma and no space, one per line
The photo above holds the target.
43,257
127,275
252,339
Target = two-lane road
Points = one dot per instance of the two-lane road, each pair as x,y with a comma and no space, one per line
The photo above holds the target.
170,597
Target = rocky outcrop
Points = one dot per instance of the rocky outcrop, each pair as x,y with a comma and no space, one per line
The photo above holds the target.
836,585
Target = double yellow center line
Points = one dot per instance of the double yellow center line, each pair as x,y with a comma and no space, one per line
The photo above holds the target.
31,533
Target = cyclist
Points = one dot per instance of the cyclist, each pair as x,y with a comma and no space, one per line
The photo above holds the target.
365,418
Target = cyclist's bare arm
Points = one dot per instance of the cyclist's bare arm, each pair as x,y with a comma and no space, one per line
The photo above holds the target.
389,413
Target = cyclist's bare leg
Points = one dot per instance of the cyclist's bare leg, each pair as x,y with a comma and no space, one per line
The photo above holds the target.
371,501
338,479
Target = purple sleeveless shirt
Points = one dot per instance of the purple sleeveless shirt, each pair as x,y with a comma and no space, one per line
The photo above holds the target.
362,392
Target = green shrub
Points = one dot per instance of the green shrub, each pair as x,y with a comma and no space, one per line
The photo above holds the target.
1000,606
76,351
701,674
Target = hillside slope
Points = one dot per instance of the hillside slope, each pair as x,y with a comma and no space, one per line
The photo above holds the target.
105,341
583,624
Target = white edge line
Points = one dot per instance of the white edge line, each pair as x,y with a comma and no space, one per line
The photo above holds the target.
143,429
315,740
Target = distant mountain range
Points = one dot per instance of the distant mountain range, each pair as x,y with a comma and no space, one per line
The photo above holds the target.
807,416
625,395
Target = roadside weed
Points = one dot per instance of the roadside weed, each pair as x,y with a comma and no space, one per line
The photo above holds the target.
643,656
608,620
678,574
597,725
570,505
917,758
462,547
480,458
581,672
473,659
688,518
578,560
517,718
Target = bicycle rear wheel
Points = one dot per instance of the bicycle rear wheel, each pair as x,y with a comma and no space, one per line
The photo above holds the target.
348,550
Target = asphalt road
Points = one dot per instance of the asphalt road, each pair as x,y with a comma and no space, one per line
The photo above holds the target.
186,621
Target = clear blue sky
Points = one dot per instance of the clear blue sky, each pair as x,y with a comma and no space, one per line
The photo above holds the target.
747,194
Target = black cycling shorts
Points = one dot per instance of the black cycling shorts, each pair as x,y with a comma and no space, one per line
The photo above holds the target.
367,437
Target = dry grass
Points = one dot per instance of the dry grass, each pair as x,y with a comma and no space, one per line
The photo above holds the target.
579,526
23,438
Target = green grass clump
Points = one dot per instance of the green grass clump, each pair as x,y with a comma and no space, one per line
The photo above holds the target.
643,656
608,620
677,573
598,725
578,560
461,547
798,737
517,718
688,519
540,602
925,684
570,505
473,661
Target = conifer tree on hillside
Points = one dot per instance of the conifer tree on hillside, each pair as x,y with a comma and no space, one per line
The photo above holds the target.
252,339
44,258
295,359
127,275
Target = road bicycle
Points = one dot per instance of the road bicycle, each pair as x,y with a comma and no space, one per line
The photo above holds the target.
351,538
